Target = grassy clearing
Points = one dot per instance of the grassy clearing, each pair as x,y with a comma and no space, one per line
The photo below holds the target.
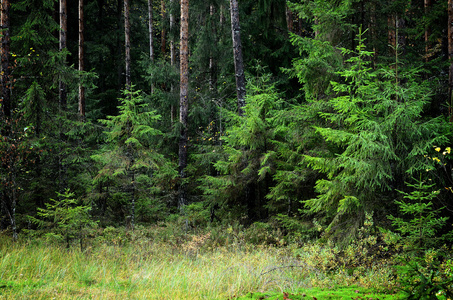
150,269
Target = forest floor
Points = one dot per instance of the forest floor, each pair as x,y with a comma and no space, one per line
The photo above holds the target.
122,265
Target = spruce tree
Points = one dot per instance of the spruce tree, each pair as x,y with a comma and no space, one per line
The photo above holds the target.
375,133
128,160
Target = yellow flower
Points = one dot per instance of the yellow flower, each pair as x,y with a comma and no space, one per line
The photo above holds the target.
437,149
448,149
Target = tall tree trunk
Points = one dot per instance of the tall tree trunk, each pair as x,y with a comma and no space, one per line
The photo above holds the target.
183,99
81,62
150,27
127,37
373,26
212,60
450,57
238,61
119,52
151,38
172,60
427,5
289,19
172,40
6,99
8,199
63,38
391,35
163,32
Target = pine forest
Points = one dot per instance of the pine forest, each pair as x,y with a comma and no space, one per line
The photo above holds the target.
214,149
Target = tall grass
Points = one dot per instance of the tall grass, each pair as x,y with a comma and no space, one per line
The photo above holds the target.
150,269
37,271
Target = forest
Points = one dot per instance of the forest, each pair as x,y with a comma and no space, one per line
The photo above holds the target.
316,130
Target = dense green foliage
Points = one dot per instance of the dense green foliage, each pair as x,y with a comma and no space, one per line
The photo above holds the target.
347,102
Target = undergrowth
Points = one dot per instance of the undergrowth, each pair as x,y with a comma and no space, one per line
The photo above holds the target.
163,262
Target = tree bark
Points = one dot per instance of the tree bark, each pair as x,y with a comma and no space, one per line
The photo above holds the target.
63,38
289,19
127,37
6,99
450,57
172,40
8,197
172,61
163,32
238,61
81,62
427,5
183,99
150,27
373,26
151,32
212,60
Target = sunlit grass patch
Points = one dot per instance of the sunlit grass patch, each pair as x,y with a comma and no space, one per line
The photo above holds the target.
147,268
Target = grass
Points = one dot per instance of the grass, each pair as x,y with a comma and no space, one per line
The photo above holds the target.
146,268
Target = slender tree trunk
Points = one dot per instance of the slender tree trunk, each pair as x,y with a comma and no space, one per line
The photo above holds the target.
373,25
450,57
289,19
127,37
172,61
401,33
391,36
163,44
63,38
150,27
81,62
172,40
6,99
238,61
119,51
8,199
183,99
151,38
427,5
212,60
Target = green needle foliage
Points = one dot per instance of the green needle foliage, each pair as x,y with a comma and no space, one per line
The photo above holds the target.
375,131
244,171
129,161
426,271
66,216
420,226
